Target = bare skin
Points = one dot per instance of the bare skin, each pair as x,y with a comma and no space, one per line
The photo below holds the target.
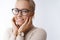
22,23
23,28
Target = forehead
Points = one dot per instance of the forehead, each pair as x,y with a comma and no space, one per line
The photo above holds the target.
22,5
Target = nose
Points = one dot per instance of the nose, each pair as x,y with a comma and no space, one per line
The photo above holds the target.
19,14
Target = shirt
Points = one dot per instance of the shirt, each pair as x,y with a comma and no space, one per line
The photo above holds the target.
33,34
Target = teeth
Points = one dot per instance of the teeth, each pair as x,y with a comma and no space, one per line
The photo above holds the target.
19,19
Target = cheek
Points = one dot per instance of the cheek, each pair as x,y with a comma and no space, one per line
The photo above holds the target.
24,17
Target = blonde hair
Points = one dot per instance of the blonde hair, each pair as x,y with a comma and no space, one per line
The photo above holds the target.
32,3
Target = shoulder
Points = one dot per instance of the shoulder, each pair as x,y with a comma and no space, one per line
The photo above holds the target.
40,30
36,30
39,33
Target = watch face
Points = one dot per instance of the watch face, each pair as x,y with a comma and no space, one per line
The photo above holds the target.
21,34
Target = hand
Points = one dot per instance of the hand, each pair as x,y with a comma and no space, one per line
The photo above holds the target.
25,26
15,29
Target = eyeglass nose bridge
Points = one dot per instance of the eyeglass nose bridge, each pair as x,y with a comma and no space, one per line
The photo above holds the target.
19,12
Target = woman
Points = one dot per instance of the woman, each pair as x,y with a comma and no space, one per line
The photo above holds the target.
23,28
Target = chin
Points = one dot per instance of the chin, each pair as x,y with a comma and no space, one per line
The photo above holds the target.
19,23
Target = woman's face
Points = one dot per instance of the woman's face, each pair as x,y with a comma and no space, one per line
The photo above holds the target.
23,14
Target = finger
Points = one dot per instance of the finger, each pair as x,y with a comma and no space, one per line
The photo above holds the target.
13,23
30,21
25,22
27,26
22,26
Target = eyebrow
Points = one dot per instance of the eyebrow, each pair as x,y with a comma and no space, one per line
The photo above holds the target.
24,9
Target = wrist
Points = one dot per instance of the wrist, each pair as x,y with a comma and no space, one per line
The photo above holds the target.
21,33
15,33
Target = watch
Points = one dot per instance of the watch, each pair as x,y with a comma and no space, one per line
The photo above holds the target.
21,34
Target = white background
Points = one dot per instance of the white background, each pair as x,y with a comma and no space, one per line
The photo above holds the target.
47,16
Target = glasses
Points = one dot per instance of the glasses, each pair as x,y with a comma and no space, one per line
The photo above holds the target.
24,12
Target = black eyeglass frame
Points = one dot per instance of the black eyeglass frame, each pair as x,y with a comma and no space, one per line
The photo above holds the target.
22,10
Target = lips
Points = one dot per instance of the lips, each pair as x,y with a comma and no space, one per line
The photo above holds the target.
19,20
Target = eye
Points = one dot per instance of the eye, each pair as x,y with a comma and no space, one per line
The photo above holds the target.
15,11
25,11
